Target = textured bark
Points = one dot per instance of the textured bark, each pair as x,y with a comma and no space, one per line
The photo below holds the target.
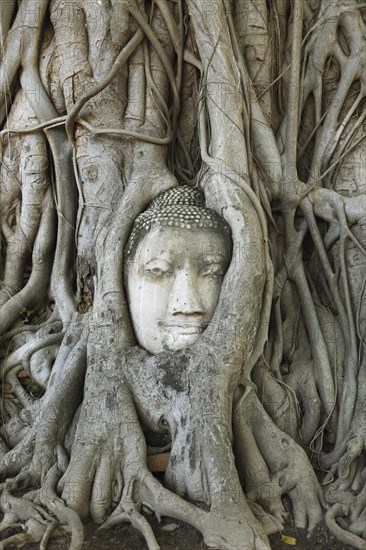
104,106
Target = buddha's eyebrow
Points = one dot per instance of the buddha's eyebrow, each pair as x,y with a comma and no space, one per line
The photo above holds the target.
157,259
148,255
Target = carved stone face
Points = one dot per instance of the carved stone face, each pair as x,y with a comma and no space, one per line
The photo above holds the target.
173,285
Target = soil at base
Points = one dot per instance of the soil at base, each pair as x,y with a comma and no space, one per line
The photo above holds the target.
175,535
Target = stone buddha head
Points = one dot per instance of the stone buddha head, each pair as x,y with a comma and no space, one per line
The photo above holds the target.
176,258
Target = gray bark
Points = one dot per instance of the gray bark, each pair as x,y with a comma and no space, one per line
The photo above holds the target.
104,106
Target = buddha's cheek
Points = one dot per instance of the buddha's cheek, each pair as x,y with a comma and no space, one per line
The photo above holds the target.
210,292
148,304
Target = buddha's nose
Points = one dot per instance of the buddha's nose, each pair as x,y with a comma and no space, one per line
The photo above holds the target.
184,298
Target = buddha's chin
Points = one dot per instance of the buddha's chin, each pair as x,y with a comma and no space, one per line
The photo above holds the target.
176,341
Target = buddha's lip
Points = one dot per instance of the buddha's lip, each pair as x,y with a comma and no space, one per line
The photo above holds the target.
184,328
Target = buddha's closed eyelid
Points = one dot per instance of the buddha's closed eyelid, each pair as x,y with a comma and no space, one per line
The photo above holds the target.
212,270
157,268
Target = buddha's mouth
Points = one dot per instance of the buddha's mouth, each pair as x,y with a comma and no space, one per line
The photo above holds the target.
177,337
183,328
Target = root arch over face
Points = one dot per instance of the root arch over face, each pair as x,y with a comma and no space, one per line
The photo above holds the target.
105,107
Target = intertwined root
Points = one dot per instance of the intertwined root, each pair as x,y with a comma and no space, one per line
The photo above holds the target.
346,517
346,530
112,156
93,471
28,514
281,466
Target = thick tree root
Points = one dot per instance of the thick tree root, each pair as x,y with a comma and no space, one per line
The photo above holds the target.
63,513
281,465
225,528
339,510
19,457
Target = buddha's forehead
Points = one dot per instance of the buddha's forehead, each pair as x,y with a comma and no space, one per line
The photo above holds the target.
173,242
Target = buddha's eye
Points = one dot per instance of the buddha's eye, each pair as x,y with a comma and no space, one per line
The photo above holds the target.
157,273
212,271
158,270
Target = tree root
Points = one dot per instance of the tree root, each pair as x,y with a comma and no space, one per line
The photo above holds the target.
88,481
18,458
347,515
35,532
339,510
19,512
225,528
302,381
31,512
18,541
270,523
47,534
127,511
57,506
289,470
23,508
